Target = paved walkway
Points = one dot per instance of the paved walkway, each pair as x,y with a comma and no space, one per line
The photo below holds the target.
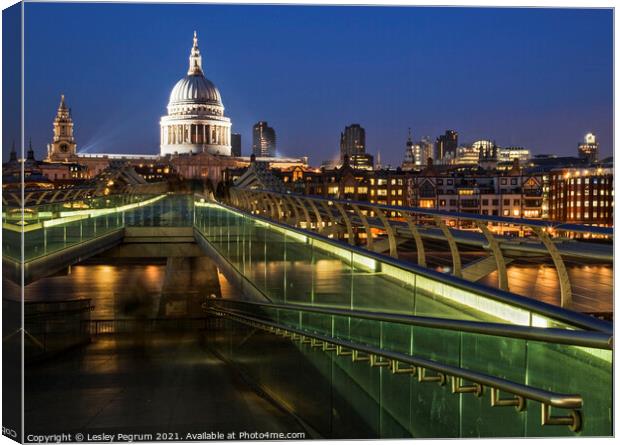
161,383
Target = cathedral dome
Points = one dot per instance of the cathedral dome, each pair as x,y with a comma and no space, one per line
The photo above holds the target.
195,89
195,122
195,94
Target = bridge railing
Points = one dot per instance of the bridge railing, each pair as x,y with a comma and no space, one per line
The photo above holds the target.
383,227
487,366
49,228
294,265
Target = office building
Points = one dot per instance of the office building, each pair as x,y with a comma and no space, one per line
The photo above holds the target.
353,147
263,140
446,145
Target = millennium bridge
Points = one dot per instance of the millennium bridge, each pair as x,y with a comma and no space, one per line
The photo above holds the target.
353,319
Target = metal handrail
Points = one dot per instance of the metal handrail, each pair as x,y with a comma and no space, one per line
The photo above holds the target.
420,365
590,339
556,225
557,313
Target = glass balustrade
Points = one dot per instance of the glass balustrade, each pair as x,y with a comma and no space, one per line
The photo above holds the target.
329,391
562,368
53,227
290,266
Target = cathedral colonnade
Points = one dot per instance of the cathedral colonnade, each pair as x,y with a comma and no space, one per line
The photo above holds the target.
200,133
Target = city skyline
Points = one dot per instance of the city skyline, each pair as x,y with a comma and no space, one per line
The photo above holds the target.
115,89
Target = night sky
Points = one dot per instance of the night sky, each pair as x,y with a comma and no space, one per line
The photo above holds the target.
539,78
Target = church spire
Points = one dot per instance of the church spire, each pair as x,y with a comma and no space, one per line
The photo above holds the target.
62,105
409,140
195,59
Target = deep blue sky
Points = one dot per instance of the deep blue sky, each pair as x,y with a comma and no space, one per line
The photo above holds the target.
540,78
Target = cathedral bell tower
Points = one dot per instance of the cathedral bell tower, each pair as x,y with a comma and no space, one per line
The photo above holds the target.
63,144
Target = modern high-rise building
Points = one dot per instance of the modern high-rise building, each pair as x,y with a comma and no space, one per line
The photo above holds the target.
445,146
352,141
263,140
588,149
426,149
235,142
353,146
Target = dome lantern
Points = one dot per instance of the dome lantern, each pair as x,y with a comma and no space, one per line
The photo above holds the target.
195,59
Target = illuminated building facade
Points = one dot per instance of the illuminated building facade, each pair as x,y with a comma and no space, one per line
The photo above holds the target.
509,154
353,147
417,154
263,140
446,145
588,149
582,195
195,122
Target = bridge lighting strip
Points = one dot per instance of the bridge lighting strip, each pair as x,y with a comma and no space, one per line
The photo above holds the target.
486,305
105,211
460,294
76,215
361,261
